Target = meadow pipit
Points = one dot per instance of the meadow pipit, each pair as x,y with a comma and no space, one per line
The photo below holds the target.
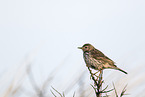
95,59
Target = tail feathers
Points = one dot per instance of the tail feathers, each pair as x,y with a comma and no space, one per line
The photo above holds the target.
121,70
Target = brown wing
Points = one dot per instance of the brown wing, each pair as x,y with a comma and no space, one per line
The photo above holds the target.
100,56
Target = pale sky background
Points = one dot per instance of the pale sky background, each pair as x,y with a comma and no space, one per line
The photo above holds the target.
46,33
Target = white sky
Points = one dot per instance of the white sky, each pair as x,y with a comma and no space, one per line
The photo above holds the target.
58,27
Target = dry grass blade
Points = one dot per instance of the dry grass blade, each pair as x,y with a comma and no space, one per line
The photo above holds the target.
115,90
61,95
15,91
123,91
53,93
8,92
74,94
32,80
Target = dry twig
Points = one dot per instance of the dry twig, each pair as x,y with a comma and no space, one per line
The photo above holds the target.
98,81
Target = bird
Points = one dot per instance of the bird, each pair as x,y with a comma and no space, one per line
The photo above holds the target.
96,60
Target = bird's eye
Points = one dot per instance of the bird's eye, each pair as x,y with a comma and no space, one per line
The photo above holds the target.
86,47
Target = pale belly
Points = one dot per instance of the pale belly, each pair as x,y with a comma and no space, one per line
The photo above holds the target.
93,63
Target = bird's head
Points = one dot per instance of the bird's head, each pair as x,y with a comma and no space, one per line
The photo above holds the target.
86,47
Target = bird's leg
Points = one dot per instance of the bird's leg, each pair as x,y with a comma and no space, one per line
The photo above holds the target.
99,75
95,73
92,74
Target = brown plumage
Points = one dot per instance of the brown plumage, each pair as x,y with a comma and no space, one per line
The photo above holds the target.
96,59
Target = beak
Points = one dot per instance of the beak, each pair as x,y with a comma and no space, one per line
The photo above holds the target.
79,47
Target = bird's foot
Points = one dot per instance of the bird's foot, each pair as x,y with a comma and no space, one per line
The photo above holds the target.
95,76
95,73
